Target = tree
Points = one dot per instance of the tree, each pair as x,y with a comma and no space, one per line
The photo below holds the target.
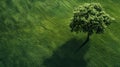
90,18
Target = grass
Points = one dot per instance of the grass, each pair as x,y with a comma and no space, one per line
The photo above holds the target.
35,33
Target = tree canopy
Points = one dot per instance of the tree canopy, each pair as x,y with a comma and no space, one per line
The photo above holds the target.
90,17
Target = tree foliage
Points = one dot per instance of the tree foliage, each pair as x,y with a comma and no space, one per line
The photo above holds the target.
90,17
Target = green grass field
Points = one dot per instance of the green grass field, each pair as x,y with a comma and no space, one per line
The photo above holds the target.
36,33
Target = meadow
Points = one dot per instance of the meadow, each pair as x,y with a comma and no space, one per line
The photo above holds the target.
36,33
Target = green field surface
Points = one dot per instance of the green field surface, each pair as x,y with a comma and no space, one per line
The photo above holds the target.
36,33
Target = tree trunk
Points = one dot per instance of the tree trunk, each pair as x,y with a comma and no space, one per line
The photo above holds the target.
87,39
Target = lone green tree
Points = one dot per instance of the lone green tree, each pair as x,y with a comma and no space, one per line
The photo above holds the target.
90,18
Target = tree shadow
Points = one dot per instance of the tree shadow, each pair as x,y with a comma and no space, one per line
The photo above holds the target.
66,55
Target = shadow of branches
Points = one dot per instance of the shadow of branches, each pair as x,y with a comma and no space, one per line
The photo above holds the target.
65,56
